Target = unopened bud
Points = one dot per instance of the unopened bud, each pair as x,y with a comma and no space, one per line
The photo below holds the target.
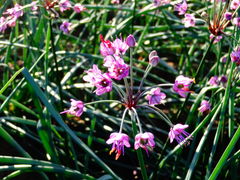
130,41
154,58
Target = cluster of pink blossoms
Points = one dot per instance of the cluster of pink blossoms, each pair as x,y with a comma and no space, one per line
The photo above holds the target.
117,69
10,17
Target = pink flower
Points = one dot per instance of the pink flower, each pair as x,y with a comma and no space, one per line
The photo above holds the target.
102,81
76,108
66,27
217,38
235,56
205,106
34,7
181,7
145,141
120,46
235,4
116,67
78,8
182,85
160,2
3,24
15,12
118,141
213,81
177,132
130,41
155,96
106,47
115,2
228,15
236,21
189,20
64,5
153,58
223,59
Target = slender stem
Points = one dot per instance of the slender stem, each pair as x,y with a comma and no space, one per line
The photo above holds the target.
159,113
148,69
131,71
124,114
139,151
103,101
138,120
126,86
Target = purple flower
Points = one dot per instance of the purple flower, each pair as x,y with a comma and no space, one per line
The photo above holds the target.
120,46
189,20
66,27
235,56
130,41
160,2
213,81
64,5
78,8
236,21
205,106
106,47
223,79
3,24
145,141
155,96
223,59
228,15
181,7
115,2
116,67
177,132
76,108
235,4
118,141
15,12
182,85
102,82
34,7
153,58
217,38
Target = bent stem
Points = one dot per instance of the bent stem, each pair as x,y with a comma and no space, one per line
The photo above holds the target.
139,151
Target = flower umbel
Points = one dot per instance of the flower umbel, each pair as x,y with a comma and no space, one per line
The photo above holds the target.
118,141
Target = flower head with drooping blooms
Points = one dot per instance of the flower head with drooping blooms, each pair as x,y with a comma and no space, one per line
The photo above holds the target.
118,141
160,2
213,81
155,96
189,20
64,5
181,8
66,27
120,46
153,58
102,82
106,47
76,108
182,85
78,8
177,132
205,106
145,141
235,56
116,67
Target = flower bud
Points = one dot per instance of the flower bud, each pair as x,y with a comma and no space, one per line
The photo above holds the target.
228,15
130,41
153,58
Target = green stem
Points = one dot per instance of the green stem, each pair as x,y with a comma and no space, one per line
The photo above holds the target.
103,101
225,155
139,151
